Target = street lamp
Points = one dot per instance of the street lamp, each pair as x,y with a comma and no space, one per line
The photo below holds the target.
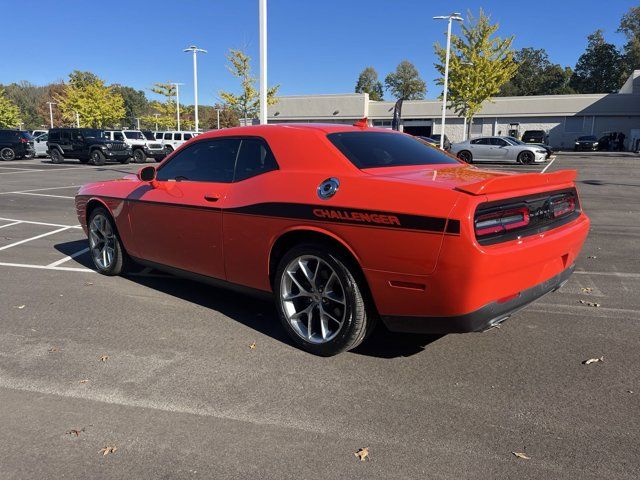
450,18
138,120
263,61
177,85
195,51
156,115
77,120
51,104
218,112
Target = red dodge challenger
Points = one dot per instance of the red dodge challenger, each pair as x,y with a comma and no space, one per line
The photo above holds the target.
343,225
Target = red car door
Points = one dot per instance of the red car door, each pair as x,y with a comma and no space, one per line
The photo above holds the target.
178,220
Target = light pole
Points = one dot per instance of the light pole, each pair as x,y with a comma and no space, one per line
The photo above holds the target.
156,115
77,120
138,122
450,18
195,51
218,112
177,85
263,61
51,104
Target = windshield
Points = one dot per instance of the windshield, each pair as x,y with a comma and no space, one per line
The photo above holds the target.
148,135
380,149
134,135
588,138
93,133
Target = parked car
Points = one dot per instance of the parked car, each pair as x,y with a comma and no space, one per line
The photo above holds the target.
40,145
15,144
498,149
586,142
341,226
37,133
139,144
539,137
87,145
172,140
446,144
429,140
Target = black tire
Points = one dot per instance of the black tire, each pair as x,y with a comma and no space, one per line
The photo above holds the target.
7,154
358,318
125,160
56,156
465,156
120,261
526,158
97,157
139,156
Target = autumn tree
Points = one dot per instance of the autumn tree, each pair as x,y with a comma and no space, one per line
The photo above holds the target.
246,103
480,64
536,75
405,82
368,83
9,112
599,68
135,101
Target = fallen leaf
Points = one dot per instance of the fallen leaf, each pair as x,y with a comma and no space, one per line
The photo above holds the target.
590,304
83,381
54,349
104,358
253,346
19,307
362,454
587,289
629,391
521,455
88,283
592,256
593,360
75,432
107,450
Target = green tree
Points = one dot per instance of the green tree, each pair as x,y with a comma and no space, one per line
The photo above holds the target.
135,102
165,110
27,97
9,112
630,27
405,82
480,64
536,75
95,102
247,103
599,68
368,83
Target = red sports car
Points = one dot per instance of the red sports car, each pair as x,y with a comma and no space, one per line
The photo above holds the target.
343,225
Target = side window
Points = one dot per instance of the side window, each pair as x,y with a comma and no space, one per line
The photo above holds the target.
187,136
167,136
54,136
480,141
118,136
498,142
65,135
254,159
205,161
177,136
76,135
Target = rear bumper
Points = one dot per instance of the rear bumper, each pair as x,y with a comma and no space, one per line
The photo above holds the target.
486,317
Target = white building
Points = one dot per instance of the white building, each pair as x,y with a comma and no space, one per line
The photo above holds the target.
564,117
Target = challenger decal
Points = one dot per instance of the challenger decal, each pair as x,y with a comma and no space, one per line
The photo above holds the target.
356,216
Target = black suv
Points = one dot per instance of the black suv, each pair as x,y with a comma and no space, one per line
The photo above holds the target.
15,144
86,144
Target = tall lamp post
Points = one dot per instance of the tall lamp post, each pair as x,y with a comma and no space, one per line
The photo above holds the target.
450,18
195,51
177,85
156,115
263,61
51,104
218,112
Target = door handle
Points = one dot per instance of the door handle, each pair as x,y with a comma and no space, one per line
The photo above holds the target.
212,198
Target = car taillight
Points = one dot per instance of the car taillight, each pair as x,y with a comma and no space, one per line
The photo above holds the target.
562,206
502,221
23,140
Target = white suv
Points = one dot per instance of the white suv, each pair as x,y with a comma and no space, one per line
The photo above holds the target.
143,146
173,139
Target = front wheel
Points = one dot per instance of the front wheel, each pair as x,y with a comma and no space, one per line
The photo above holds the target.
319,300
7,154
526,158
98,158
139,156
105,246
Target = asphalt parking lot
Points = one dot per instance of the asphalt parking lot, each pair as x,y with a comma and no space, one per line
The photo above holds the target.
162,369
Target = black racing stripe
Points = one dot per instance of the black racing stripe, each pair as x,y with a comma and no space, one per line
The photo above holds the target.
323,213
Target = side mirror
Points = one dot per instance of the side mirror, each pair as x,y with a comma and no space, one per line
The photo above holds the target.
147,174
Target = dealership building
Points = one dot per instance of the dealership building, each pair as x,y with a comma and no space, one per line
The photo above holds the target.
564,117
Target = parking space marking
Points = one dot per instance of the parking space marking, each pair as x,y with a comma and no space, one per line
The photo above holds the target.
42,195
14,168
39,223
34,238
610,274
10,224
549,164
69,257
80,168
40,189
46,267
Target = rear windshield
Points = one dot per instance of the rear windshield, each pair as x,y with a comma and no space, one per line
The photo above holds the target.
380,149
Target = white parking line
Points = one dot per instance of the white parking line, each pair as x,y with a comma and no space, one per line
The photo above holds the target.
46,267
609,274
32,170
40,189
549,164
42,195
10,224
34,238
70,257
39,223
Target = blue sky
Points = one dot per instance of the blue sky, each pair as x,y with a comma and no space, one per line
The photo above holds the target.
315,46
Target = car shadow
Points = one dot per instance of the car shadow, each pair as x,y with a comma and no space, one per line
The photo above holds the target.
601,183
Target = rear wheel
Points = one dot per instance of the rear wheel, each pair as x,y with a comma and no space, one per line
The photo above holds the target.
106,249
526,158
139,156
319,300
7,154
56,156
97,157
465,156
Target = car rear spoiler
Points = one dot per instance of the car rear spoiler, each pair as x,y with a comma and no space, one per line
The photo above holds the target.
524,181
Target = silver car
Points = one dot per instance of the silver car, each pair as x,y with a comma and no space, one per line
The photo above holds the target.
498,149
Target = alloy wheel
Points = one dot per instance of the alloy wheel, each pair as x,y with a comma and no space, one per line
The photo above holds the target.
102,241
7,154
313,299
